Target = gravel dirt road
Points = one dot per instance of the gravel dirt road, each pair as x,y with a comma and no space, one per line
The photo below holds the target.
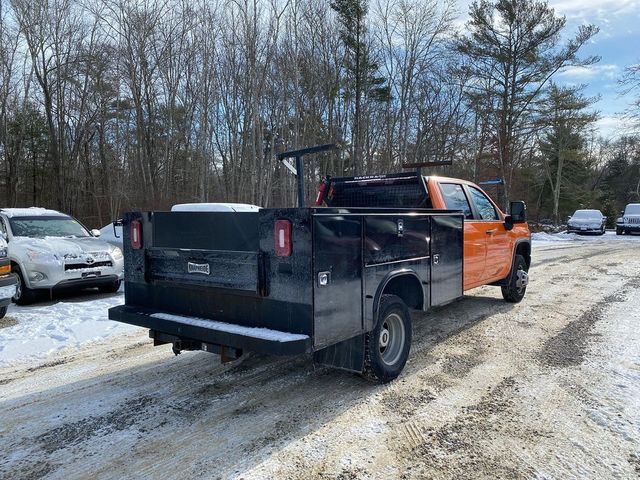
549,388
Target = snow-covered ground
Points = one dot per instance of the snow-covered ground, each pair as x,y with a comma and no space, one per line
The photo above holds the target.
570,237
38,330
546,388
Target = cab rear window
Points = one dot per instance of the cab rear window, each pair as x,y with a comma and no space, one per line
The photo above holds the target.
455,198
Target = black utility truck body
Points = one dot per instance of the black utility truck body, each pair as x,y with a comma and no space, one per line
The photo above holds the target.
335,282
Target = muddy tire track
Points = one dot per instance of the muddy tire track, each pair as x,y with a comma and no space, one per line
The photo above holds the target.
570,346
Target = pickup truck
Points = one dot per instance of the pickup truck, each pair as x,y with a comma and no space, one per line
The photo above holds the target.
336,281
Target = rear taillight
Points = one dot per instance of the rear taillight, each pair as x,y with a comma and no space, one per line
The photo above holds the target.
282,238
136,235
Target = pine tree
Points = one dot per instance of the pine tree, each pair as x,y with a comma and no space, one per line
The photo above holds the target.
562,146
363,81
512,50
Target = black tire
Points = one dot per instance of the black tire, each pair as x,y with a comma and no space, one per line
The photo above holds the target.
619,231
24,295
387,345
514,291
3,311
111,288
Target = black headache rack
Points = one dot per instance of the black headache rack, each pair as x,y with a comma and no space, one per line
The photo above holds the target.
396,190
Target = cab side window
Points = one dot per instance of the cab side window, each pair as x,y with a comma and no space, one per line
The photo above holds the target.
484,207
455,198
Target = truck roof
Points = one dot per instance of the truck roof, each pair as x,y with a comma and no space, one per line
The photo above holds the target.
448,180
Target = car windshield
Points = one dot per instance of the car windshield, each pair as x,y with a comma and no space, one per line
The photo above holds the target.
40,227
632,210
587,215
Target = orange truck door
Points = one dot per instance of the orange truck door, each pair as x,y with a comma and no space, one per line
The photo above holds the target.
489,219
475,241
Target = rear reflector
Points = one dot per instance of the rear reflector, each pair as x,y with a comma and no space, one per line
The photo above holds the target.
282,238
136,235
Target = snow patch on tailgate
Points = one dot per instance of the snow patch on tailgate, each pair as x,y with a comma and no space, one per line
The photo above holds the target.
254,332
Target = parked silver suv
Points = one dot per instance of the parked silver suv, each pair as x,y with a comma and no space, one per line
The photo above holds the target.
50,250
629,220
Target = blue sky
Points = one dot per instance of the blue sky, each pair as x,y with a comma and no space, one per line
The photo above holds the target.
618,45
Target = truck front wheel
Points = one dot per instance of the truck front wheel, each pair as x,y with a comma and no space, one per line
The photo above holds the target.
387,346
514,291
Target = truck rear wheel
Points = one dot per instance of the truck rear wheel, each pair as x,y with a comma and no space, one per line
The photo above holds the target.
387,345
515,290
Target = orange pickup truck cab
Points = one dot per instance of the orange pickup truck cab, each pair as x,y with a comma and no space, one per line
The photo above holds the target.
497,246
493,244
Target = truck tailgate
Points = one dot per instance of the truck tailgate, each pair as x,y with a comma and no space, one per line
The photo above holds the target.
208,268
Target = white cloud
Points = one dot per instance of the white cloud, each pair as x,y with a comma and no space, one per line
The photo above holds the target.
613,126
595,8
606,70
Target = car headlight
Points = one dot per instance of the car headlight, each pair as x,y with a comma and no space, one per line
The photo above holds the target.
620,220
3,252
116,253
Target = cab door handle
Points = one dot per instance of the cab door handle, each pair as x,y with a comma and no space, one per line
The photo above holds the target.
490,232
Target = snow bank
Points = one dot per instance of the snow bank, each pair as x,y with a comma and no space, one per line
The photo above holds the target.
45,328
542,237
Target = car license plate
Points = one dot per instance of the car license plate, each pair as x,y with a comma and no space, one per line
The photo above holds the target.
583,228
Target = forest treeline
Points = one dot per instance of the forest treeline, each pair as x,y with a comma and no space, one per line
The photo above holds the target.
115,105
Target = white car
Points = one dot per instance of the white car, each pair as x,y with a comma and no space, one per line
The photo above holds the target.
50,250
214,207
587,221
112,234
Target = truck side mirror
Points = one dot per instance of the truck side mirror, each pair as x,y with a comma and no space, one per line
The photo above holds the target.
518,212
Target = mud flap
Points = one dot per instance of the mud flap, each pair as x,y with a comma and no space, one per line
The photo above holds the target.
346,355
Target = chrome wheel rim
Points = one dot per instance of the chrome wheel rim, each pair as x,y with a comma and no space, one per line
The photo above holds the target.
522,280
18,293
391,339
